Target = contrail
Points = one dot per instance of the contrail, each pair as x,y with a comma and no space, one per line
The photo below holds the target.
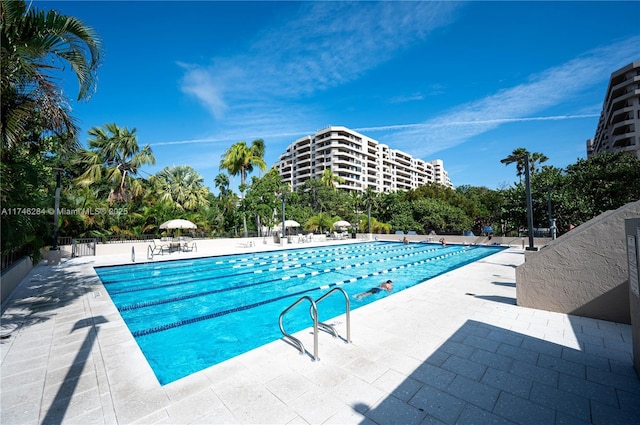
472,122
390,127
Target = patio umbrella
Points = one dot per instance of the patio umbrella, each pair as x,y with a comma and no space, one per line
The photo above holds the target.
341,223
287,223
487,229
178,223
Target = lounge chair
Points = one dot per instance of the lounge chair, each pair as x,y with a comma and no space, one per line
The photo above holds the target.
157,247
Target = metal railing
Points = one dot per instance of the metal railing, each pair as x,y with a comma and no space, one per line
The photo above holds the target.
313,312
314,315
82,247
330,328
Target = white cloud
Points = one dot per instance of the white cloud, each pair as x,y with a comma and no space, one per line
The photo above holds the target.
311,52
543,90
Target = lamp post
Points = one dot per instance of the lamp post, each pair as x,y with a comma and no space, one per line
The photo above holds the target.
552,221
527,182
284,227
56,208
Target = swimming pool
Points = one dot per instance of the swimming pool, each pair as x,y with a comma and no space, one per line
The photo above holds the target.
187,315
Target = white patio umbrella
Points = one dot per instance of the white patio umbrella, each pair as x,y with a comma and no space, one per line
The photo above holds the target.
287,223
178,223
341,224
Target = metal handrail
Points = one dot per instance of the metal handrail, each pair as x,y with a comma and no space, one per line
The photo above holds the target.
149,252
330,328
314,316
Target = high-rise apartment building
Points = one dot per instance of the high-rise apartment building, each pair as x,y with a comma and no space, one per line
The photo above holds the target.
361,161
619,125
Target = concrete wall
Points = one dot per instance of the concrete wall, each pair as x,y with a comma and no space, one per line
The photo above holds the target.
13,276
584,272
632,227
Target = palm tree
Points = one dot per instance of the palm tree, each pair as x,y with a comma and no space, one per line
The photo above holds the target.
319,221
33,44
518,156
329,179
182,186
221,182
240,159
116,154
368,199
536,157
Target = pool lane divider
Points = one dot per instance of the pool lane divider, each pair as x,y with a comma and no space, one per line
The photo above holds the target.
209,316
326,252
272,269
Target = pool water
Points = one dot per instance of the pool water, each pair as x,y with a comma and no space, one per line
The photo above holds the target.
187,315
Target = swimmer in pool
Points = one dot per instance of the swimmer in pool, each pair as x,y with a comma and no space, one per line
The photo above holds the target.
386,286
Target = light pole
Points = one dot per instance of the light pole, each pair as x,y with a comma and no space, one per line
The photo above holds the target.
56,208
284,227
552,221
527,182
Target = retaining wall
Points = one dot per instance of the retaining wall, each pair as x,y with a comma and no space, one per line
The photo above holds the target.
584,272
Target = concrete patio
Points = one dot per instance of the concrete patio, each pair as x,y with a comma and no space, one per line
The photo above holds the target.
453,350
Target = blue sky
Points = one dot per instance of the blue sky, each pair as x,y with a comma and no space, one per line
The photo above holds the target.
465,82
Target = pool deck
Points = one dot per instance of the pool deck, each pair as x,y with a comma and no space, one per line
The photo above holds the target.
454,350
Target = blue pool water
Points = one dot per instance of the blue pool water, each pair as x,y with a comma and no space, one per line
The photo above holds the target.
187,315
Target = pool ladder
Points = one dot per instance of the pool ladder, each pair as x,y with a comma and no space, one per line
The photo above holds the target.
317,325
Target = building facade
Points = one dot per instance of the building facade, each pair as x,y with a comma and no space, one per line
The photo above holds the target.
619,124
361,161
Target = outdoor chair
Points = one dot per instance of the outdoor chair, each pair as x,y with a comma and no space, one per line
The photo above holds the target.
157,247
189,245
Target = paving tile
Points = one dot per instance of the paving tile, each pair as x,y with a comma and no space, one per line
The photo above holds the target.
523,411
473,415
191,408
563,366
349,416
393,410
626,383
542,347
501,380
438,404
491,359
588,389
629,402
481,342
586,359
433,376
316,405
359,394
265,410
398,385
461,350
604,414
518,353
562,401
564,419
464,367
506,337
479,394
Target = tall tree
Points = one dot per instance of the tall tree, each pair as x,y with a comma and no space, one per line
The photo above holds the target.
182,186
240,159
221,182
34,49
518,156
329,179
35,45
114,153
